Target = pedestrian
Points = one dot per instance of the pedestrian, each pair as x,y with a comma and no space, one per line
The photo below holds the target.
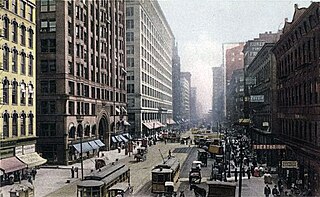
267,191
33,173
248,172
169,154
30,179
275,191
72,172
236,174
77,170
181,194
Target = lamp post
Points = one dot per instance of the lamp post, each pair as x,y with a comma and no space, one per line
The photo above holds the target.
242,140
80,130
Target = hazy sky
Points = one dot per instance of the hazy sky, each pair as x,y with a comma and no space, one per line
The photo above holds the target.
201,26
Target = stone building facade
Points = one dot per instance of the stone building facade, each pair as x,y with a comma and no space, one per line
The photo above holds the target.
298,60
81,77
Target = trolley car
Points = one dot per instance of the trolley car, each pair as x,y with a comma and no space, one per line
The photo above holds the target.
166,172
100,182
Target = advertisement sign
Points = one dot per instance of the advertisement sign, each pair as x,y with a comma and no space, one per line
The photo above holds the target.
18,151
257,98
265,124
289,164
29,149
268,146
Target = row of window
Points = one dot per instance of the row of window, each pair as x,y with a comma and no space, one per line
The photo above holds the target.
14,125
14,91
22,6
15,32
303,130
14,61
300,94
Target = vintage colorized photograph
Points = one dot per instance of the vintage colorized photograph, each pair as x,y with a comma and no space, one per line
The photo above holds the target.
159,98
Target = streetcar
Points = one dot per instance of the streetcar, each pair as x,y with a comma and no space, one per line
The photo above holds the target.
163,173
104,182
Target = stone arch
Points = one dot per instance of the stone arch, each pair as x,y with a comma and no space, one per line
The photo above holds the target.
103,129
72,130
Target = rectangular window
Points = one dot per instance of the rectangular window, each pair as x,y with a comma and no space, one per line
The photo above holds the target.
71,108
30,38
30,13
23,35
47,66
129,11
130,49
129,24
30,66
15,32
129,36
23,64
48,45
14,61
71,88
14,6
47,5
48,25
22,9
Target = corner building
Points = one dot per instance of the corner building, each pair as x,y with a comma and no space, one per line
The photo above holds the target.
149,42
81,77
298,85
17,103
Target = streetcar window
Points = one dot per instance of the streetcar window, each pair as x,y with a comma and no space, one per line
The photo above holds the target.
160,178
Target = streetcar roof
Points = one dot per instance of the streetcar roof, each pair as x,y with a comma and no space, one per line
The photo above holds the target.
163,170
123,186
90,183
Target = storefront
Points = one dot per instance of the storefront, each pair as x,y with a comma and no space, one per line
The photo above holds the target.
89,149
11,169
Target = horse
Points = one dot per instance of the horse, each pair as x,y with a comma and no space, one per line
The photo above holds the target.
198,191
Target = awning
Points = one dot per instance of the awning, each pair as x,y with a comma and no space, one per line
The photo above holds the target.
85,147
11,164
101,144
123,138
159,124
114,139
127,135
170,121
94,145
125,123
32,159
118,138
148,125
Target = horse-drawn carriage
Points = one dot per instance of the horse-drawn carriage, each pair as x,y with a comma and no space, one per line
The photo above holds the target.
141,154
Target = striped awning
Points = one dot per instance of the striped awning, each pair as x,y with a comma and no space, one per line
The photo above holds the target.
32,159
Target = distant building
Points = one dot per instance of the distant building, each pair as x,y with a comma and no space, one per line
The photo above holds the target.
194,117
176,86
218,100
235,95
18,129
149,48
233,60
298,88
185,81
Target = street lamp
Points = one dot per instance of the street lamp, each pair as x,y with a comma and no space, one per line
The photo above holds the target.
80,130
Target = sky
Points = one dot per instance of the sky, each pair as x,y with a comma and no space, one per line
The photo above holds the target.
201,26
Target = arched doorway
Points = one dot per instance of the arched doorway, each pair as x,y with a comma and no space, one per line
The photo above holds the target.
103,131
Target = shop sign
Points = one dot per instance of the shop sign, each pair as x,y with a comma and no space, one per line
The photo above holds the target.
29,149
289,164
18,150
257,98
268,146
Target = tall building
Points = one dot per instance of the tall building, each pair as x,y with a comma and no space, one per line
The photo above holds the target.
298,60
18,104
149,57
185,83
176,87
194,116
262,105
81,77
252,47
233,59
235,93
218,95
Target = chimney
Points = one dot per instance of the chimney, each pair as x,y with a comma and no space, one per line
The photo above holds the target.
296,6
270,32
286,20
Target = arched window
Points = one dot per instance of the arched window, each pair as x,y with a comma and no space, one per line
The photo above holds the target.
6,28
72,131
5,124
23,63
23,35
14,31
30,65
5,90
14,123
30,94
23,93
23,123
5,60
30,127
87,130
94,130
30,38
14,60
14,92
